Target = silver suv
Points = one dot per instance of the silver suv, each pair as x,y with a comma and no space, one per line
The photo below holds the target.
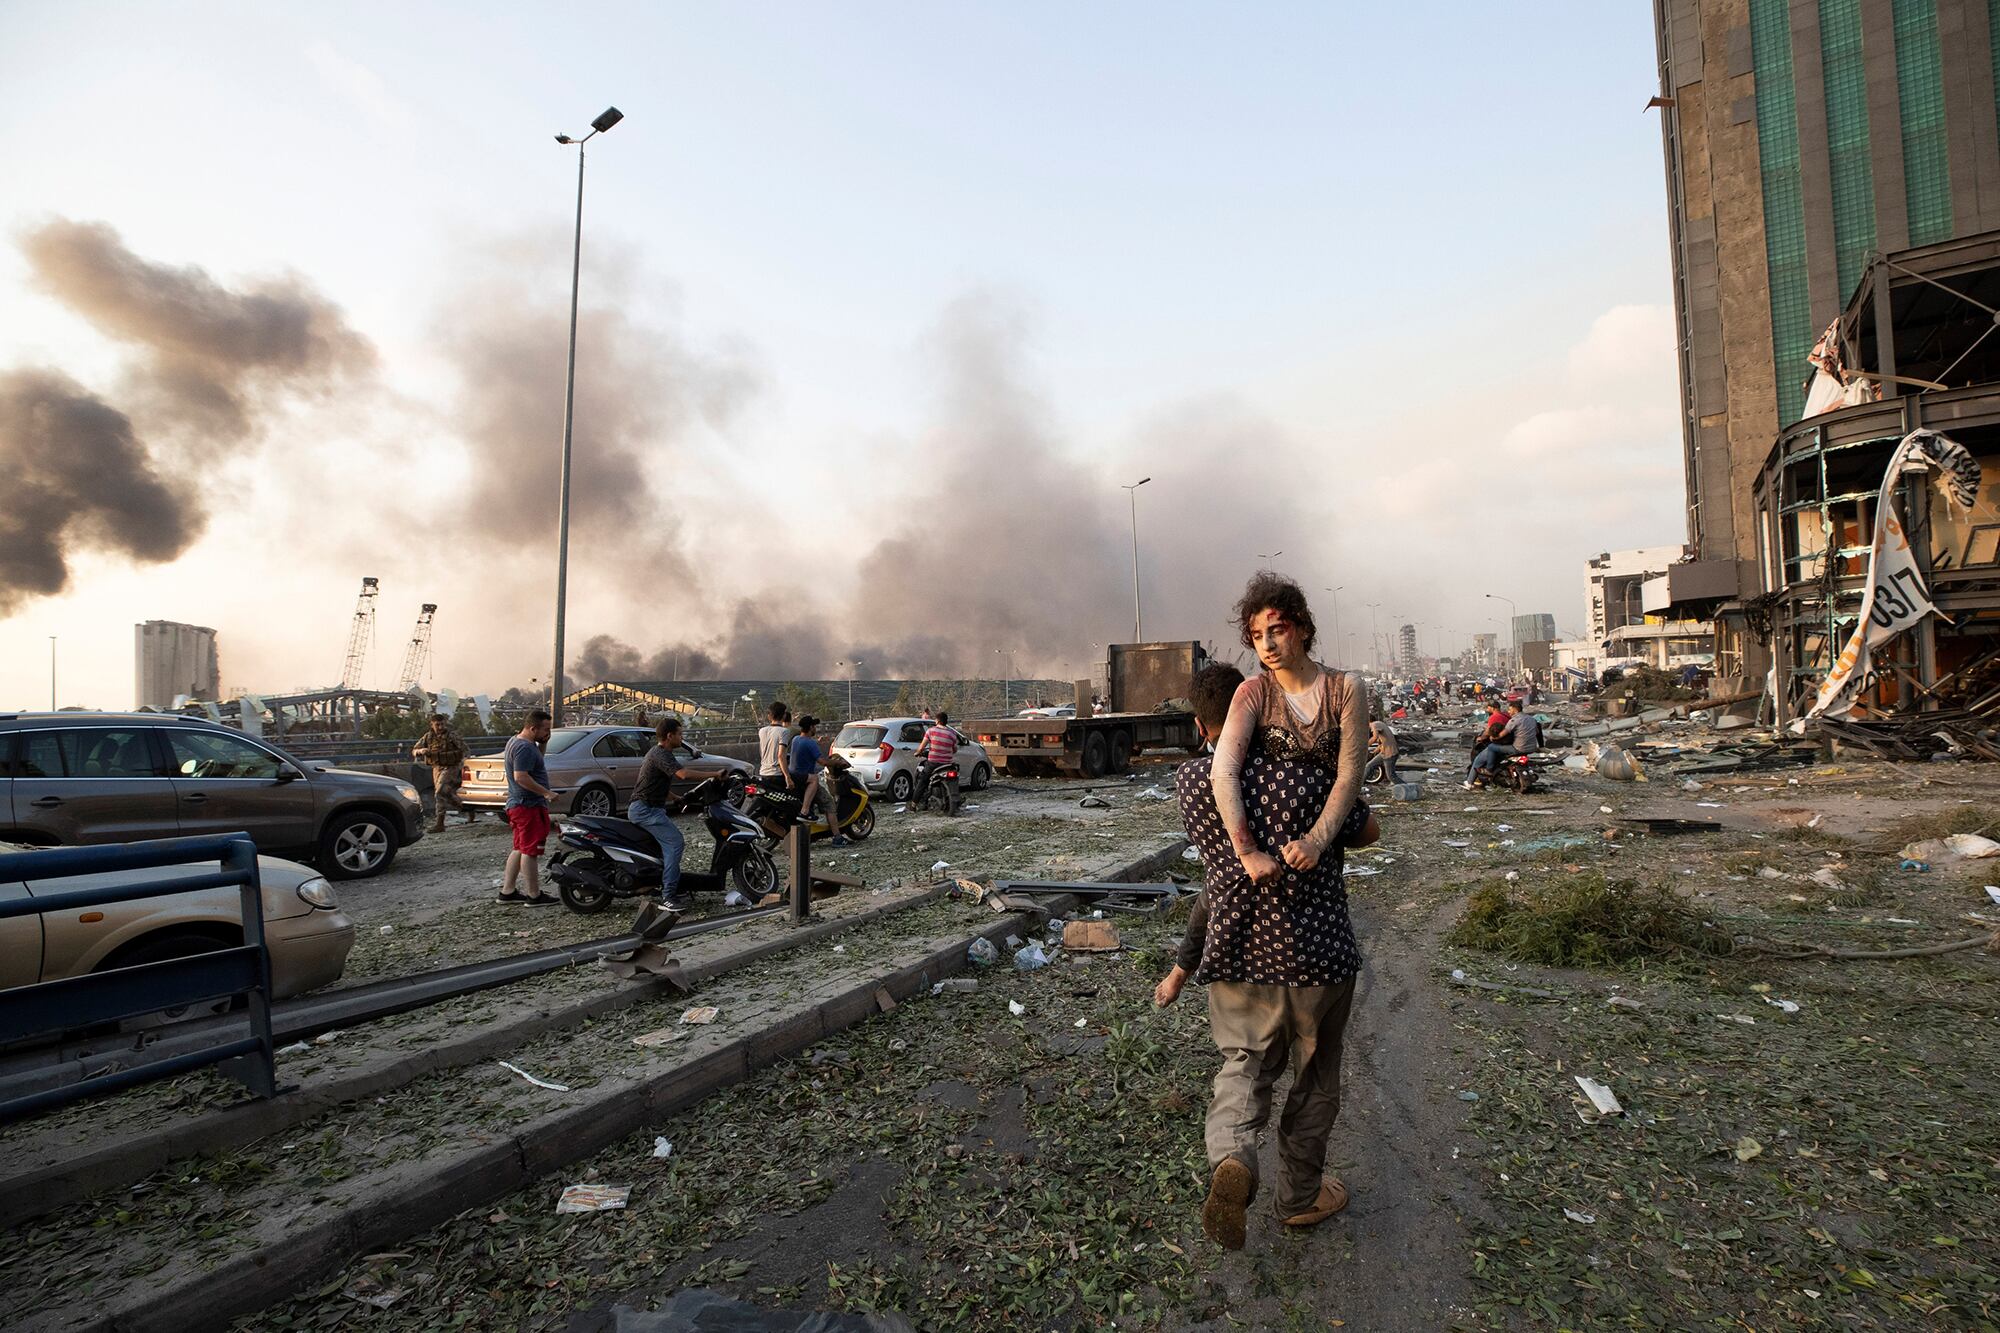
74,778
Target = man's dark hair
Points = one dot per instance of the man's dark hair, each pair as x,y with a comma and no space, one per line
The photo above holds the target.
943,718
1517,705
1213,687
537,716
778,710
1268,591
667,726
807,723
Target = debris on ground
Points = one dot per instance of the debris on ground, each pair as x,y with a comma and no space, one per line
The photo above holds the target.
538,1082
593,1198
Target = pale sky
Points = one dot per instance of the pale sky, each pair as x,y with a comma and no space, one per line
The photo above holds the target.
1423,246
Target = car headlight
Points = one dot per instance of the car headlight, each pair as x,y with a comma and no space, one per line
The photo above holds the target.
318,893
408,793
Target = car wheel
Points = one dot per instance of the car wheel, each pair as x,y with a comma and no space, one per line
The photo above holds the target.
159,949
596,801
357,845
899,787
982,776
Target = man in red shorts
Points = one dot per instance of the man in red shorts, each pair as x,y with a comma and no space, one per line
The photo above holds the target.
528,794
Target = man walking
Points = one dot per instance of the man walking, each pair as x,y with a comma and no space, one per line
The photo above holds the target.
528,794
1279,962
441,748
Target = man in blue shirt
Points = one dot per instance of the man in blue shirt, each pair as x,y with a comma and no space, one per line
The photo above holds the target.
806,759
528,794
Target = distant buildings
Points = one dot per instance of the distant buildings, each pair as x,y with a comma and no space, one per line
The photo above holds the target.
172,659
1627,608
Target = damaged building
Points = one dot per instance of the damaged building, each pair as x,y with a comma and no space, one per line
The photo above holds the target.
1833,172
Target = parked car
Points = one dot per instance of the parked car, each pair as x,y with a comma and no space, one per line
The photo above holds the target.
885,752
75,778
308,933
591,769
1053,710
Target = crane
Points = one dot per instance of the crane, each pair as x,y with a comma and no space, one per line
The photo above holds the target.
360,634
420,647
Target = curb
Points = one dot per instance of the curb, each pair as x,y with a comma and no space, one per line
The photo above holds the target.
253,1281
85,1175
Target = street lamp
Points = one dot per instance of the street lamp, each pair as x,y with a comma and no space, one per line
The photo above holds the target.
52,673
1267,559
611,116
1375,631
852,667
1336,616
1513,614
1138,622
1007,687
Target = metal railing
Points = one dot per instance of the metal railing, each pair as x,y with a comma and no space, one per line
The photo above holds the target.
49,1008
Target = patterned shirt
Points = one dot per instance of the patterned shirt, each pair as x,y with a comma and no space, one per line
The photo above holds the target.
442,749
1294,932
940,745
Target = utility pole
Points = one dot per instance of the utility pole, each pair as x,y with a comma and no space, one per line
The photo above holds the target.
1138,621
610,117
52,673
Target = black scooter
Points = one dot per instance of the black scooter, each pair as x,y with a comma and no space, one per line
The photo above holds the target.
937,787
605,859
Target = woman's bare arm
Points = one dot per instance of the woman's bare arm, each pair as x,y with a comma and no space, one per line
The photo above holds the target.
1353,758
1232,747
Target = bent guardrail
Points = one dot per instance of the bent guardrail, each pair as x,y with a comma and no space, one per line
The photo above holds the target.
52,1007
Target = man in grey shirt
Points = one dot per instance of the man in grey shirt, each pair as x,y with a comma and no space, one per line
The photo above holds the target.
1521,735
774,743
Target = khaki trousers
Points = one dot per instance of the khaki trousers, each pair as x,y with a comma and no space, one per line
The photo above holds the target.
1259,1028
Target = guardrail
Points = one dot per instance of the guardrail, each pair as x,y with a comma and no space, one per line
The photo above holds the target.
49,1008
390,751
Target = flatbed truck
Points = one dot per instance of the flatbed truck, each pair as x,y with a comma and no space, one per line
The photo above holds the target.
1147,687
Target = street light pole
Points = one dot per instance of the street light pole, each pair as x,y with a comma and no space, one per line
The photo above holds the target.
1513,633
1336,617
611,116
1138,621
1374,630
52,673
1267,559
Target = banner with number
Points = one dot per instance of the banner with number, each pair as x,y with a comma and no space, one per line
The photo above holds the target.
1896,598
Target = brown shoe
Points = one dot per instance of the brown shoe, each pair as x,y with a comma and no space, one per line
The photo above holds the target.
1229,1192
1332,1198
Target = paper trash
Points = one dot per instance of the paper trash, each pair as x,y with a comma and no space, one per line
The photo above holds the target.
1600,1096
662,1148
1016,1008
592,1198
658,1037
706,1013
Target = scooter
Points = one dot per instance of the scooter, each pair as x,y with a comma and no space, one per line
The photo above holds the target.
774,807
605,859
1518,772
938,787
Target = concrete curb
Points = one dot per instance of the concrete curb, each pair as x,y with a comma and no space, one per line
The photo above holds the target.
81,1177
253,1281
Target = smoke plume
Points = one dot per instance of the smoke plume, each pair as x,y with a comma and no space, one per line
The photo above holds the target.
208,363
77,479
211,360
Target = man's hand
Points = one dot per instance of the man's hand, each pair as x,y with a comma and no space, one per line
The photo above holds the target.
1299,856
1261,867
1169,988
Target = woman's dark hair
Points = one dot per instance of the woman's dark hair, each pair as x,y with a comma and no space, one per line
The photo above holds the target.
668,726
1268,591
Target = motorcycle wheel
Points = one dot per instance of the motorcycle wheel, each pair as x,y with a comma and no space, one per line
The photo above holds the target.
862,825
756,875
583,899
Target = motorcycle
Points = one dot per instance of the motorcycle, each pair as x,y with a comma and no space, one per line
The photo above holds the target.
937,785
774,807
605,859
1519,773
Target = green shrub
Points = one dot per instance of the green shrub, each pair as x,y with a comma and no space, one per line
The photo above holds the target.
1582,920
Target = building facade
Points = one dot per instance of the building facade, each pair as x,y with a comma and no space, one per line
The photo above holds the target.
1807,142
172,659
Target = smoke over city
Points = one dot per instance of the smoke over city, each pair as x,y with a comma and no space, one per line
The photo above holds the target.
993,536
78,480
111,472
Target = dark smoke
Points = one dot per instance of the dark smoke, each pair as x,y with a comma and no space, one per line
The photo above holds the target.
77,479
212,359
642,395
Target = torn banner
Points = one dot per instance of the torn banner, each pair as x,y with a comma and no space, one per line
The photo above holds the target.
1895,598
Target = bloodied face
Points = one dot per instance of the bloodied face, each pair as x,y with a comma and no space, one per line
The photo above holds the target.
1276,640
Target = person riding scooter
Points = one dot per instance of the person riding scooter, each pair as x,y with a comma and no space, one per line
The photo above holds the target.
652,799
940,747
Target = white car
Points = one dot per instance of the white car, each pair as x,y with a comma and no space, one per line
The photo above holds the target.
884,752
1058,710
